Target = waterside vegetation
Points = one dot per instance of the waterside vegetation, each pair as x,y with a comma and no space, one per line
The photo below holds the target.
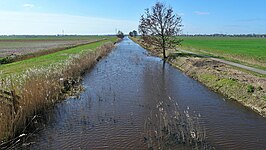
234,83
32,86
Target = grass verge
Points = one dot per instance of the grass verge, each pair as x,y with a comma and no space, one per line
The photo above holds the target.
244,87
30,87
15,58
247,51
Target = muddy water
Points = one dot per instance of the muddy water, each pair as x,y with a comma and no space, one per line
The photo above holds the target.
123,90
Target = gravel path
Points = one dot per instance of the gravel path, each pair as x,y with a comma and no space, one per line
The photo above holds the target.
260,71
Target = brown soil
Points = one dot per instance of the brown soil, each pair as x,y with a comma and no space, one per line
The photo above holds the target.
34,48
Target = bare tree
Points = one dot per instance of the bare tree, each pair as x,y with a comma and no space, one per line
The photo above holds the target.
159,26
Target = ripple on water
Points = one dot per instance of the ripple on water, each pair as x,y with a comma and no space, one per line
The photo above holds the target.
122,91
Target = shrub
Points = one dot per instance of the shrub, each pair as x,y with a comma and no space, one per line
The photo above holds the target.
6,60
250,88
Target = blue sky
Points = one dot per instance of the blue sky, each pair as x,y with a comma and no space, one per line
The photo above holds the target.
105,16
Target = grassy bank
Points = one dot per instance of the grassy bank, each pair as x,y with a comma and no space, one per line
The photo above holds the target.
248,51
31,86
19,48
47,60
246,88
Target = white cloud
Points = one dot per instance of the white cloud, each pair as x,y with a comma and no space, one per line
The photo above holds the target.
44,23
201,13
28,5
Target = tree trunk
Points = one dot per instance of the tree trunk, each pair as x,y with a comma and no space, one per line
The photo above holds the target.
164,56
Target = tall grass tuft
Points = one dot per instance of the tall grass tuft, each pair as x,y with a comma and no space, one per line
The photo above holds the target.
168,127
23,97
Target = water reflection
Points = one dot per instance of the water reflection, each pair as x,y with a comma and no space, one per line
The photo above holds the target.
126,89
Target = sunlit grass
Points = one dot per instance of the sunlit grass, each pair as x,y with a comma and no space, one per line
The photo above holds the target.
46,60
19,48
244,50
31,86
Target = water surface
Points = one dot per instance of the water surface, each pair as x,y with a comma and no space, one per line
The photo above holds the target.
123,90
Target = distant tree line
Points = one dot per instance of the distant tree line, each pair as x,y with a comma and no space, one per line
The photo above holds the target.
227,35
133,33
70,35
120,34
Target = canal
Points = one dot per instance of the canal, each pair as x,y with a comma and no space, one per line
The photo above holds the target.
123,91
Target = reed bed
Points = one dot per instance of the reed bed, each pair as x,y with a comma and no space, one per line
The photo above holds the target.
174,128
23,97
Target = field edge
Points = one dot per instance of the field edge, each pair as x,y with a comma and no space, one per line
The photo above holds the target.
221,78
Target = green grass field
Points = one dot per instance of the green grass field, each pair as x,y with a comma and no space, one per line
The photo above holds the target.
46,60
23,45
249,51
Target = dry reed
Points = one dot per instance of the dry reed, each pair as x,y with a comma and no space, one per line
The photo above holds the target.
23,97
168,127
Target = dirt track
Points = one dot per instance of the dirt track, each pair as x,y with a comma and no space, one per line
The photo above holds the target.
222,77
226,80
260,71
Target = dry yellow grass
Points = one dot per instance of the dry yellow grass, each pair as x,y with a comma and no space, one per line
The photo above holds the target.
25,95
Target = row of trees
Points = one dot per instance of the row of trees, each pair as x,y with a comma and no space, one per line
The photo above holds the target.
120,34
133,33
227,35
